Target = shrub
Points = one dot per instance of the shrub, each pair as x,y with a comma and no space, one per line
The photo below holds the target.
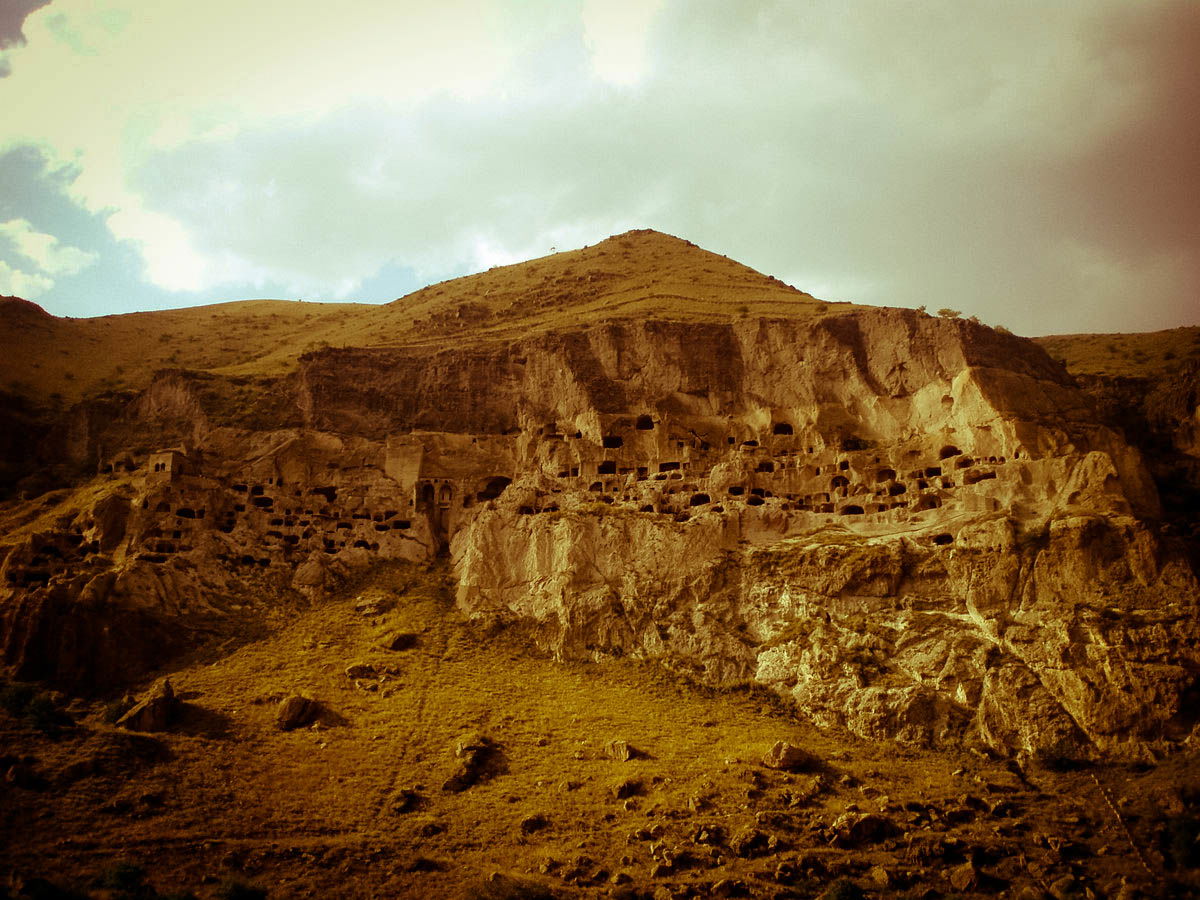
947,313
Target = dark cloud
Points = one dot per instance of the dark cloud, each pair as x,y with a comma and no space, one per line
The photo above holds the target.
12,16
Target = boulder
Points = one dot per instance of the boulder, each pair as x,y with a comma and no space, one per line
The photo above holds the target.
788,757
296,712
155,712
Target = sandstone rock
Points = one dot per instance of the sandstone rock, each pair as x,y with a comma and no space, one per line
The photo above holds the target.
155,712
706,492
296,712
789,757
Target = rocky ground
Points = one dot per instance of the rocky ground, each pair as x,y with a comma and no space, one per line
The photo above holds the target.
438,760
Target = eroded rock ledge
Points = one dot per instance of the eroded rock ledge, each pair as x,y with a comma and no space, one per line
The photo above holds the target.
914,527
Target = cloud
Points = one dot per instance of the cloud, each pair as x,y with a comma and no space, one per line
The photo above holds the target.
44,250
12,16
16,283
1031,164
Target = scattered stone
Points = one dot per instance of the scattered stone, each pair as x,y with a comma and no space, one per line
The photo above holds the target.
296,712
373,606
788,757
854,829
880,876
964,877
626,787
155,713
356,671
536,822
622,751
408,801
750,842
729,887
480,758
711,835
398,640
1065,888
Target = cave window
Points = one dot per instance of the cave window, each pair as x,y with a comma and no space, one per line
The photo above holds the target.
885,475
755,501
783,428
942,539
668,466
256,491
445,496
852,510
766,466
607,467
700,499
736,490
896,489
839,481
426,496
933,471
645,423
596,486
948,451
612,441
965,463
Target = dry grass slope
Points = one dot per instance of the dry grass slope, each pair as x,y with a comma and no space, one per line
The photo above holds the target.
355,806
640,274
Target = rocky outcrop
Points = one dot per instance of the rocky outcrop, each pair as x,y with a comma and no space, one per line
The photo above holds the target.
1075,637
916,527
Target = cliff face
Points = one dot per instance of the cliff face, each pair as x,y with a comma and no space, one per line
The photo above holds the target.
915,527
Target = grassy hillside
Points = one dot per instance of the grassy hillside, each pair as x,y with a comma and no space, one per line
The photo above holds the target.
1148,354
640,274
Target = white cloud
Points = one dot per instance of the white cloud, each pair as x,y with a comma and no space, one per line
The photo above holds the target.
44,250
16,283
617,35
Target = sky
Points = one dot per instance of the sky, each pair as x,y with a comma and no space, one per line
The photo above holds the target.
1034,164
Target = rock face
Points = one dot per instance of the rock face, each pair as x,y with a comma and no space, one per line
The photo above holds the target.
915,527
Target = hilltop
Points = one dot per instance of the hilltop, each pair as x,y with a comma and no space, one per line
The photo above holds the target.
639,274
